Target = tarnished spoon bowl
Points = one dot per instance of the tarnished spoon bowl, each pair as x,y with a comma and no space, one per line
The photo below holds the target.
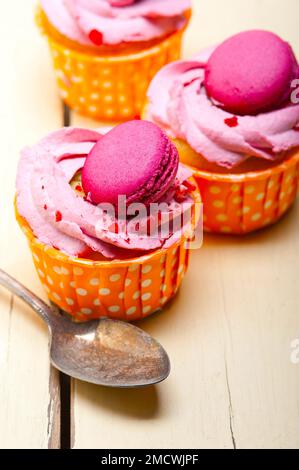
104,352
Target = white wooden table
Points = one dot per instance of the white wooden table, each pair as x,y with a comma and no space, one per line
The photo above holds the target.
229,332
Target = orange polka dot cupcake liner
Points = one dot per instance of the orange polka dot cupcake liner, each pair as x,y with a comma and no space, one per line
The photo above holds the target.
126,290
109,88
244,203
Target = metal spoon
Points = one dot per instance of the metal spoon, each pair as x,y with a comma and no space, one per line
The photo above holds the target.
105,352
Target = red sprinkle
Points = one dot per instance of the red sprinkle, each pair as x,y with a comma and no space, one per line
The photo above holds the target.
96,37
114,228
189,185
232,122
58,216
181,195
45,207
78,188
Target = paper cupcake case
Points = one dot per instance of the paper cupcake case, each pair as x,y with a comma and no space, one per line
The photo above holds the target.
109,87
240,204
126,290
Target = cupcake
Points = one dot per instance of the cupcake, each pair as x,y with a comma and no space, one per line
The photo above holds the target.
106,52
108,219
233,114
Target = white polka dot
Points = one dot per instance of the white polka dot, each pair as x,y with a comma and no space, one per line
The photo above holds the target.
146,296
82,99
237,200
95,83
235,188
56,296
218,204
163,259
271,184
163,287
77,79
136,295
73,284
268,204
86,311
36,257
107,84
121,296
50,281
162,273
122,98
78,271
246,209
108,98
57,270
69,301
94,96
93,109
282,195
174,262
249,190
80,65
131,310
41,273
181,269
94,282
146,283
64,271
260,196
97,302
222,217
114,277
133,268
163,300
146,309
104,292
174,252
226,230
256,217
215,190
114,308
146,269
61,285
128,282
81,292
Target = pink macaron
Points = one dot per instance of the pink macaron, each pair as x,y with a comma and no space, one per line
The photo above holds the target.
251,72
135,159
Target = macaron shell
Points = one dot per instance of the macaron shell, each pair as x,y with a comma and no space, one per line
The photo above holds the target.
251,72
135,159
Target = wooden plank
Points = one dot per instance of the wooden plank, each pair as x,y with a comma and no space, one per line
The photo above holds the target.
29,390
230,329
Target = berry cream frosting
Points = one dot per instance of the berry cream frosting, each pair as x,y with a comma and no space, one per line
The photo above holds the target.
112,22
231,102
63,216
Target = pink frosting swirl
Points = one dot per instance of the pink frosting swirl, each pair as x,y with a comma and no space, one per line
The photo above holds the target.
116,21
179,103
59,217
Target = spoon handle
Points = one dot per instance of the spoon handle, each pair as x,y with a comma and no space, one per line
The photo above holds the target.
38,305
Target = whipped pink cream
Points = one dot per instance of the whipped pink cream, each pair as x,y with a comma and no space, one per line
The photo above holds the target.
61,218
115,21
179,103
